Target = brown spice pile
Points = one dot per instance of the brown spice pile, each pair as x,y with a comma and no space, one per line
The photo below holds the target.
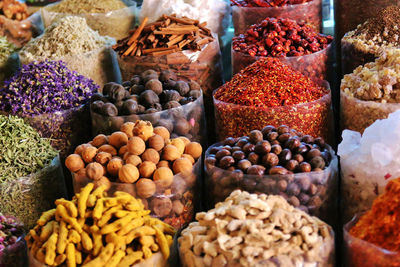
269,83
383,27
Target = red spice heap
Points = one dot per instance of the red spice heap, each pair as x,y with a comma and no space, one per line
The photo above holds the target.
269,83
266,3
381,225
280,38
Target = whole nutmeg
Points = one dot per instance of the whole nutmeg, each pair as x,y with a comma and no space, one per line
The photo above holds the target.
109,149
136,89
255,136
256,170
118,139
109,109
136,145
163,176
182,87
129,107
163,132
148,98
128,174
127,128
103,181
170,95
277,170
244,164
147,168
103,158
74,163
226,162
114,165
163,163
270,160
152,155
193,85
156,142
194,149
179,144
182,126
177,207
145,188
182,165
238,155
97,106
195,94
161,206
99,140
94,171
253,158
283,129
262,147
80,148
304,167
143,129
167,75
89,153
317,162
171,153
134,160
171,104
154,85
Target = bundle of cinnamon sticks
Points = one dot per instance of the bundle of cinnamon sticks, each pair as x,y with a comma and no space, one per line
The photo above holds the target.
167,35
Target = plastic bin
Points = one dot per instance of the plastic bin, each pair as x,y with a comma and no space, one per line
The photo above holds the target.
353,56
309,12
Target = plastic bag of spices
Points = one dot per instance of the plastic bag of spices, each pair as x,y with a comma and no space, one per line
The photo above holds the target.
27,197
13,249
314,192
187,120
114,23
309,12
174,204
314,65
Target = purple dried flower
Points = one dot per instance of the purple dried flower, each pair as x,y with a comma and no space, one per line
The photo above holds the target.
45,87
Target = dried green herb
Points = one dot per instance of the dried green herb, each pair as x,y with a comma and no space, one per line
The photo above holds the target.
6,49
30,178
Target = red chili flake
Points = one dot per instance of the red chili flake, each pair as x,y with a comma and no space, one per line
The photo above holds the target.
387,176
266,3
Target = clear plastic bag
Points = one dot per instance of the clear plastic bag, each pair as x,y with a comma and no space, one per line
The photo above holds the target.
314,118
98,65
350,13
313,192
309,12
17,32
66,129
356,114
203,66
27,197
314,65
183,192
15,255
187,120
115,23
360,253
352,57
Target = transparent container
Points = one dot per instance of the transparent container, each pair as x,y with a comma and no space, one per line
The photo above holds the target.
314,65
98,65
17,32
309,12
184,189
156,260
362,253
187,120
15,255
314,118
350,13
203,66
313,192
115,23
66,129
356,114
353,56
27,197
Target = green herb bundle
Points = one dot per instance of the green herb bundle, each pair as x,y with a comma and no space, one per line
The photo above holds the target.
30,171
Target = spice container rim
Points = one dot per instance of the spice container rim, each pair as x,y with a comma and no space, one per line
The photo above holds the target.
323,51
332,164
346,234
353,98
198,101
56,112
277,7
322,83
129,4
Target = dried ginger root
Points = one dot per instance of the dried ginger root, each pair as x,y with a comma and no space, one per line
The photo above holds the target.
96,230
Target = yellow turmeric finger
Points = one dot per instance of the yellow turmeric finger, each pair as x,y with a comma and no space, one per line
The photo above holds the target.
62,212
98,192
34,235
98,209
170,239
86,241
47,230
166,228
102,258
146,240
74,236
131,259
154,247
78,257
62,238
147,252
41,255
46,216
130,226
50,246
116,258
71,258
107,215
140,231
87,259
97,240
118,241
162,242
91,201
116,225
69,205
60,259
84,194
